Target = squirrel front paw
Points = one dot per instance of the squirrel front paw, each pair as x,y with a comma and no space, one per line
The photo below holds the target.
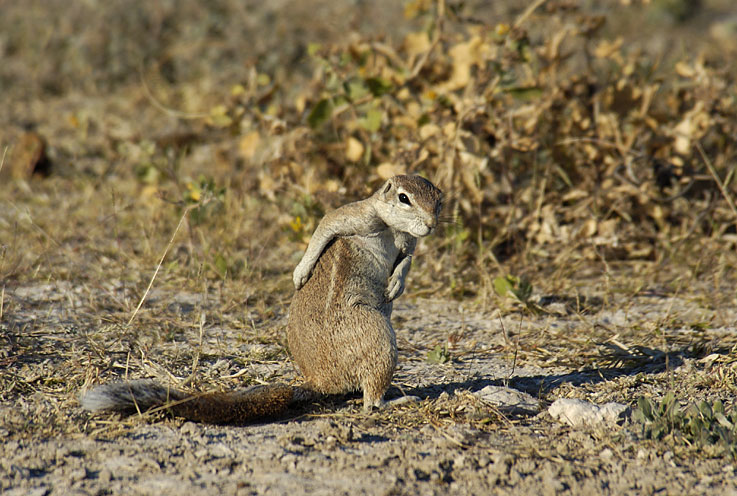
394,289
300,275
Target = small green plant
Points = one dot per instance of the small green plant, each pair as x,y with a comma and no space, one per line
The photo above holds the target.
518,288
458,235
439,354
512,285
207,195
225,266
703,423
151,163
304,214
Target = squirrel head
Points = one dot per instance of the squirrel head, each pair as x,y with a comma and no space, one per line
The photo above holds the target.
409,204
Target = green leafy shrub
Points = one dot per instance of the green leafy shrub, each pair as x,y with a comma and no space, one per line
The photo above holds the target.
703,423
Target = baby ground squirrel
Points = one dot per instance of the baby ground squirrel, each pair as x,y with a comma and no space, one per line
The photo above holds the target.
339,331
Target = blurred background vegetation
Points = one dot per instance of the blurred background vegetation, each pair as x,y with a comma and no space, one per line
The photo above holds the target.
572,138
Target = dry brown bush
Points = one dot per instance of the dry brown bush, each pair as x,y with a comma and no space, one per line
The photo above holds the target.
558,139
551,136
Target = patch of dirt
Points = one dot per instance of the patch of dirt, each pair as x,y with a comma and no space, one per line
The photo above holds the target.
449,440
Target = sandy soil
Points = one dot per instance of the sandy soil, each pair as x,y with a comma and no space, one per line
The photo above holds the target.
450,441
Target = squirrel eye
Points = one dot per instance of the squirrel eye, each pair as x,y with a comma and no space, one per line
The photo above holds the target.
403,198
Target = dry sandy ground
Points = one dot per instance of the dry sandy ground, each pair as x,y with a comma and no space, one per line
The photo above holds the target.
450,441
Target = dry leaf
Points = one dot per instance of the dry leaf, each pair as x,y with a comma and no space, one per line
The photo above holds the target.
332,185
693,126
588,229
387,170
449,130
685,70
428,131
353,149
28,156
415,44
267,186
248,145
414,109
575,194
607,227
609,49
465,56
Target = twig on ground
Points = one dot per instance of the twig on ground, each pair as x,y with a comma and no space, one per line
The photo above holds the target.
156,103
527,13
727,196
2,161
161,261
196,360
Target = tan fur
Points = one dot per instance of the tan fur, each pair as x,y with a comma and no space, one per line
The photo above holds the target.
339,331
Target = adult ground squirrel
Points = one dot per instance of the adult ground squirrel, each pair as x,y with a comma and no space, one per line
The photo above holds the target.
339,331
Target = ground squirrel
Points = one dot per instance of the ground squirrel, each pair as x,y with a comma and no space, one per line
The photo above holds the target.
339,331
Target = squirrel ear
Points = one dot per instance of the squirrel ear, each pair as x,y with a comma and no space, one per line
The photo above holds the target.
388,187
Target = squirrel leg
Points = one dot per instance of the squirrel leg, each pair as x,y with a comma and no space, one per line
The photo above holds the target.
372,399
395,288
320,239
371,357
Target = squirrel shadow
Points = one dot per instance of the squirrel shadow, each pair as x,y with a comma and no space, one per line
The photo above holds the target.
539,386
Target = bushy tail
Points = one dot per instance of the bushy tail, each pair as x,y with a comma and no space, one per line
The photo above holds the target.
232,408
